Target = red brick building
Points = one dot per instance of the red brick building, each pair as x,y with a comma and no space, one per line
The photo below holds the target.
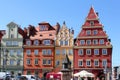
93,50
39,48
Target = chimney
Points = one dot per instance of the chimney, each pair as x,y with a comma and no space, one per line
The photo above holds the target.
72,31
97,13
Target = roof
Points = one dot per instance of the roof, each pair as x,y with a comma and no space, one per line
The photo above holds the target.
92,14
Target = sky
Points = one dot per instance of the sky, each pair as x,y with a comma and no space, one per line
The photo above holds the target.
73,12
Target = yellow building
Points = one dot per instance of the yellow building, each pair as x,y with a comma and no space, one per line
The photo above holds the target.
64,45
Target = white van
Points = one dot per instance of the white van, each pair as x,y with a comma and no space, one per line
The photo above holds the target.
2,75
29,77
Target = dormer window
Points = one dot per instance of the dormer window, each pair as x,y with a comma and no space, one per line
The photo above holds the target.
28,42
36,42
91,23
50,34
46,42
42,28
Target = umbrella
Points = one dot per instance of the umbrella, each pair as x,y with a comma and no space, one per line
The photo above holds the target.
83,73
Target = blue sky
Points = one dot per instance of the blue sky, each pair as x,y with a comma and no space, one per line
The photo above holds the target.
73,12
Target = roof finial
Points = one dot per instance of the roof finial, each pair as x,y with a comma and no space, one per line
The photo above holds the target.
64,22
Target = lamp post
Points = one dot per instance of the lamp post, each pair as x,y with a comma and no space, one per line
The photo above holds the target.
105,71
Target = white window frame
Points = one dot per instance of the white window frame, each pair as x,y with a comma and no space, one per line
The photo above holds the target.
43,62
103,51
28,52
80,61
101,41
87,62
49,51
36,42
88,32
88,42
48,61
36,52
82,42
104,62
80,52
57,52
28,61
28,42
95,51
36,61
44,52
46,42
87,51
95,32
95,41
95,62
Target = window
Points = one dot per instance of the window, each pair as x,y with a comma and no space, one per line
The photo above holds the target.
15,43
88,42
28,61
8,43
18,62
44,61
104,62
49,52
88,51
19,53
28,52
80,62
66,42
104,51
96,51
70,52
12,36
4,62
61,43
63,51
80,52
28,42
88,32
46,42
44,52
96,62
95,32
95,41
91,23
36,61
36,42
101,41
49,62
12,61
36,52
57,52
11,52
88,62
82,42
57,62
42,27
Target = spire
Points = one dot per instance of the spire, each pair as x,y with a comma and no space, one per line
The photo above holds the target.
64,25
92,14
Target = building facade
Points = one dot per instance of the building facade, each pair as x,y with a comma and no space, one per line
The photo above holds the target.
39,49
93,50
64,45
11,49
